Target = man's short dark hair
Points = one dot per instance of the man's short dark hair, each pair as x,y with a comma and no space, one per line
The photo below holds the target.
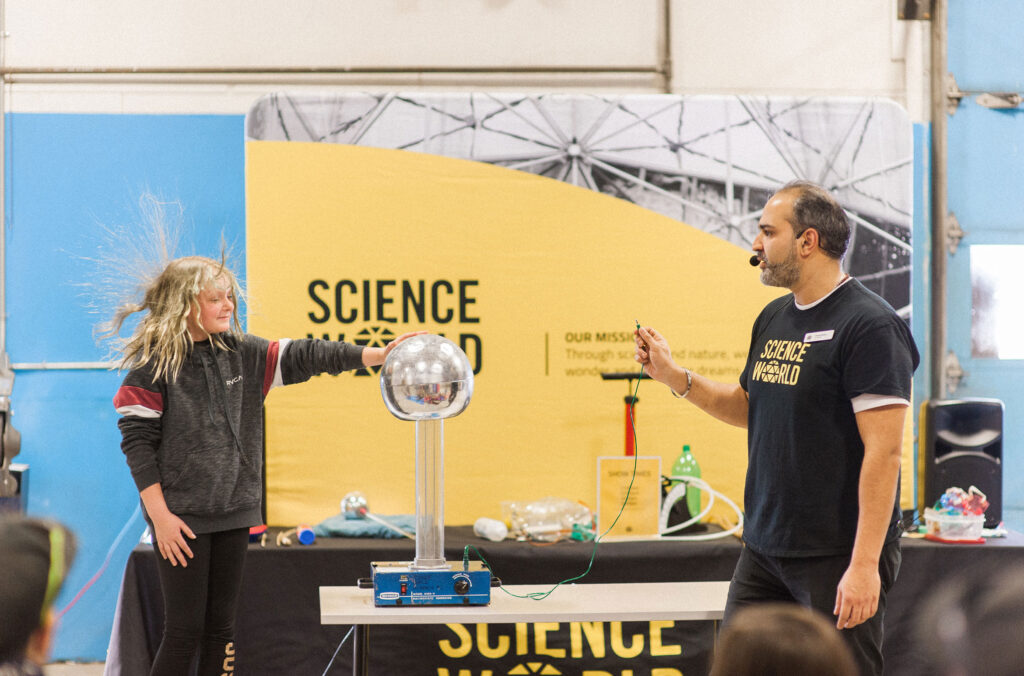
814,207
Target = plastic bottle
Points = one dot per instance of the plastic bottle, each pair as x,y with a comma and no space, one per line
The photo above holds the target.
305,534
686,465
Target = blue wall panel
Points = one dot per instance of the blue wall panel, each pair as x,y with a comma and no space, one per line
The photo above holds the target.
68,178
986,161
985,49
72,175
921,291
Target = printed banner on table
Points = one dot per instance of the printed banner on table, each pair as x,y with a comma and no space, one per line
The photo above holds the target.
655,648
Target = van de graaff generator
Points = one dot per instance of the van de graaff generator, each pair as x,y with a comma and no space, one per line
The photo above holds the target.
426,379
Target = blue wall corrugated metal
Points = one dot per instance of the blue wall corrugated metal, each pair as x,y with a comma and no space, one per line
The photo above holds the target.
985,166
920,290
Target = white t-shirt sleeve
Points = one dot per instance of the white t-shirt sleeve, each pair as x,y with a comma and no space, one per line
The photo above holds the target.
864,402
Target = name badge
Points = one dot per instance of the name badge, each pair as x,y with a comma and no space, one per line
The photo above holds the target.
818,336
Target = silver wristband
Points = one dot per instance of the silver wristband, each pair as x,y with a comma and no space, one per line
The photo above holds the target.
689,384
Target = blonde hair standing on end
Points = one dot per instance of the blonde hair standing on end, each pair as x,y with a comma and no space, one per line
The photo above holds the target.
162,337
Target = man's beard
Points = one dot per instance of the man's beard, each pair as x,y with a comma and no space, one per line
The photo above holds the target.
784,274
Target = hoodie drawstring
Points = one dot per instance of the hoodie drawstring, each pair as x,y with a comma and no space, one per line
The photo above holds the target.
207,360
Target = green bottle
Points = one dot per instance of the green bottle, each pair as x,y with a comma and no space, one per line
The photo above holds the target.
686,465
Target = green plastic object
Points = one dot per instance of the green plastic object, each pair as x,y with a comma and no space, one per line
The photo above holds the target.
687,465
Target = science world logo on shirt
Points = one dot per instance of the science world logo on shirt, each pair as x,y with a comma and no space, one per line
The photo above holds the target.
779,362
774,372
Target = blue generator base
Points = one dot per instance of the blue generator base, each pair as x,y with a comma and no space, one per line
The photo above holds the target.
399,584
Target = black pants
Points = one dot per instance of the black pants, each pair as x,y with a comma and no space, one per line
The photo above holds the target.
199,605
812,581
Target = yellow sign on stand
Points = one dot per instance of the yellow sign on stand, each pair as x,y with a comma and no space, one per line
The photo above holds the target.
628,495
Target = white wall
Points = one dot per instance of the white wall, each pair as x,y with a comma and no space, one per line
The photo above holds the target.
328,33
217,57
791,47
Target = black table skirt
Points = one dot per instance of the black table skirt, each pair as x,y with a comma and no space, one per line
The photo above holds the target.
279,630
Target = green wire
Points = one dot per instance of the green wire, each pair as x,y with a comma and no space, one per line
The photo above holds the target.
539,596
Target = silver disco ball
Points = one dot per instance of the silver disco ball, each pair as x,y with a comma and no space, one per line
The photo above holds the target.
353,505
426,376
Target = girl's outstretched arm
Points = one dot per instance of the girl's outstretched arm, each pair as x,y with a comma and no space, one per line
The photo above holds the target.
375,356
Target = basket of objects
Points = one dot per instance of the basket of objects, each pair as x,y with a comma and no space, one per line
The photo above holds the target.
957,517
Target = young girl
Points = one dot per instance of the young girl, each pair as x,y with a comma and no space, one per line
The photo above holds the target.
192,433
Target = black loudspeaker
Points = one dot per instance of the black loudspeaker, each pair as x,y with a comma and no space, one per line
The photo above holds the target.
963,447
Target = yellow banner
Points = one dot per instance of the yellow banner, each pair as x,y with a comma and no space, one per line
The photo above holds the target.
539,281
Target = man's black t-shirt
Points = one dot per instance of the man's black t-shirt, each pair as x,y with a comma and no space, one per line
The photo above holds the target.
804,449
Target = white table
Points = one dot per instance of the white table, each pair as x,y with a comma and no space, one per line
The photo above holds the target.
569,603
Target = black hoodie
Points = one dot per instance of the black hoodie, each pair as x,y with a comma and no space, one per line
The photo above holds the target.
200,436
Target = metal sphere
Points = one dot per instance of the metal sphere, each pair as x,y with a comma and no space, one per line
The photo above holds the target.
426,376
353,505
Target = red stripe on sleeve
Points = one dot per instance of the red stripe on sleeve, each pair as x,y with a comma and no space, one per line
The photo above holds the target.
268,375
129,395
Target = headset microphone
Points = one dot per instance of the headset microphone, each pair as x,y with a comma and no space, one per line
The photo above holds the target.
755,261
